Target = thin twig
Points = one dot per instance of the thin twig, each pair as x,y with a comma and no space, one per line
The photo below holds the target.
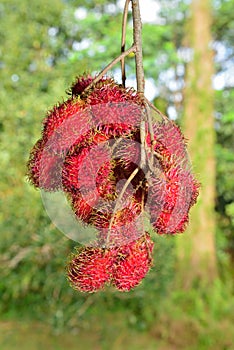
156,110
142,211
109,66
123,40
149,105
138,42
127,183
137,25
142,136
151,131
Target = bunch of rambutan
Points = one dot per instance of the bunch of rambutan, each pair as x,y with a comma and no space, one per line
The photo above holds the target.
91,148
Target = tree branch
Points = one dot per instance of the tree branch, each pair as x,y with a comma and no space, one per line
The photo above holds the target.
138,42
123,40
109,66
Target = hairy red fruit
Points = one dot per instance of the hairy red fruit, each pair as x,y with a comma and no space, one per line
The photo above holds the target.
112,92
93,170
121,235
71,169
172,139
106,181
73,108
132,263
82,206
80,84
174,189
119,117
44,167
103,212
89,270
183,200
83,81
69,110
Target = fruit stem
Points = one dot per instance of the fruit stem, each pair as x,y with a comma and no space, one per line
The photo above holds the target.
123,40
118,202
137,26
137,33
109,66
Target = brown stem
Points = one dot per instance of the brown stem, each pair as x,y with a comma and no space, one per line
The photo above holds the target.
138,42
156,109
127,183
123,40
137,25
143,143
109,66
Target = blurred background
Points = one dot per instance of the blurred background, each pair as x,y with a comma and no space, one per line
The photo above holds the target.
186,301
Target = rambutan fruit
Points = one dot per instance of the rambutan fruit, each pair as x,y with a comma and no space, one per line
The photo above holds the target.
186,196
170,141
175,189
89,269
70,174
107,113
80,84
110,91
118,118
44,167
84,80
71,109
106,181
103,212
132,263
117,236
82,206
93,170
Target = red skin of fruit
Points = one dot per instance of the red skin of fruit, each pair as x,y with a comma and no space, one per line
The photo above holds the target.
44,168
62,113
112,105
80,84
124,267
181,191
119,236
70,124
105,180
82,206
89,270
177,190
132,263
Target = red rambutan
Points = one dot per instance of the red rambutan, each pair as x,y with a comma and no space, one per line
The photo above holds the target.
117,236
82,206
80,84
44,167
132,263
89,270
175,190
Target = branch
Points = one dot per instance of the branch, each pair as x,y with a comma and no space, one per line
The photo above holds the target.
138,42
109,66
139,69
131,177
156,110
123,40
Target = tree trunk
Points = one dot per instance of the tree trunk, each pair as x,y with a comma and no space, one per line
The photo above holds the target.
196,249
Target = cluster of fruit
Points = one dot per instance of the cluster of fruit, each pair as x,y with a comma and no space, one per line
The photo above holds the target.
91,149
